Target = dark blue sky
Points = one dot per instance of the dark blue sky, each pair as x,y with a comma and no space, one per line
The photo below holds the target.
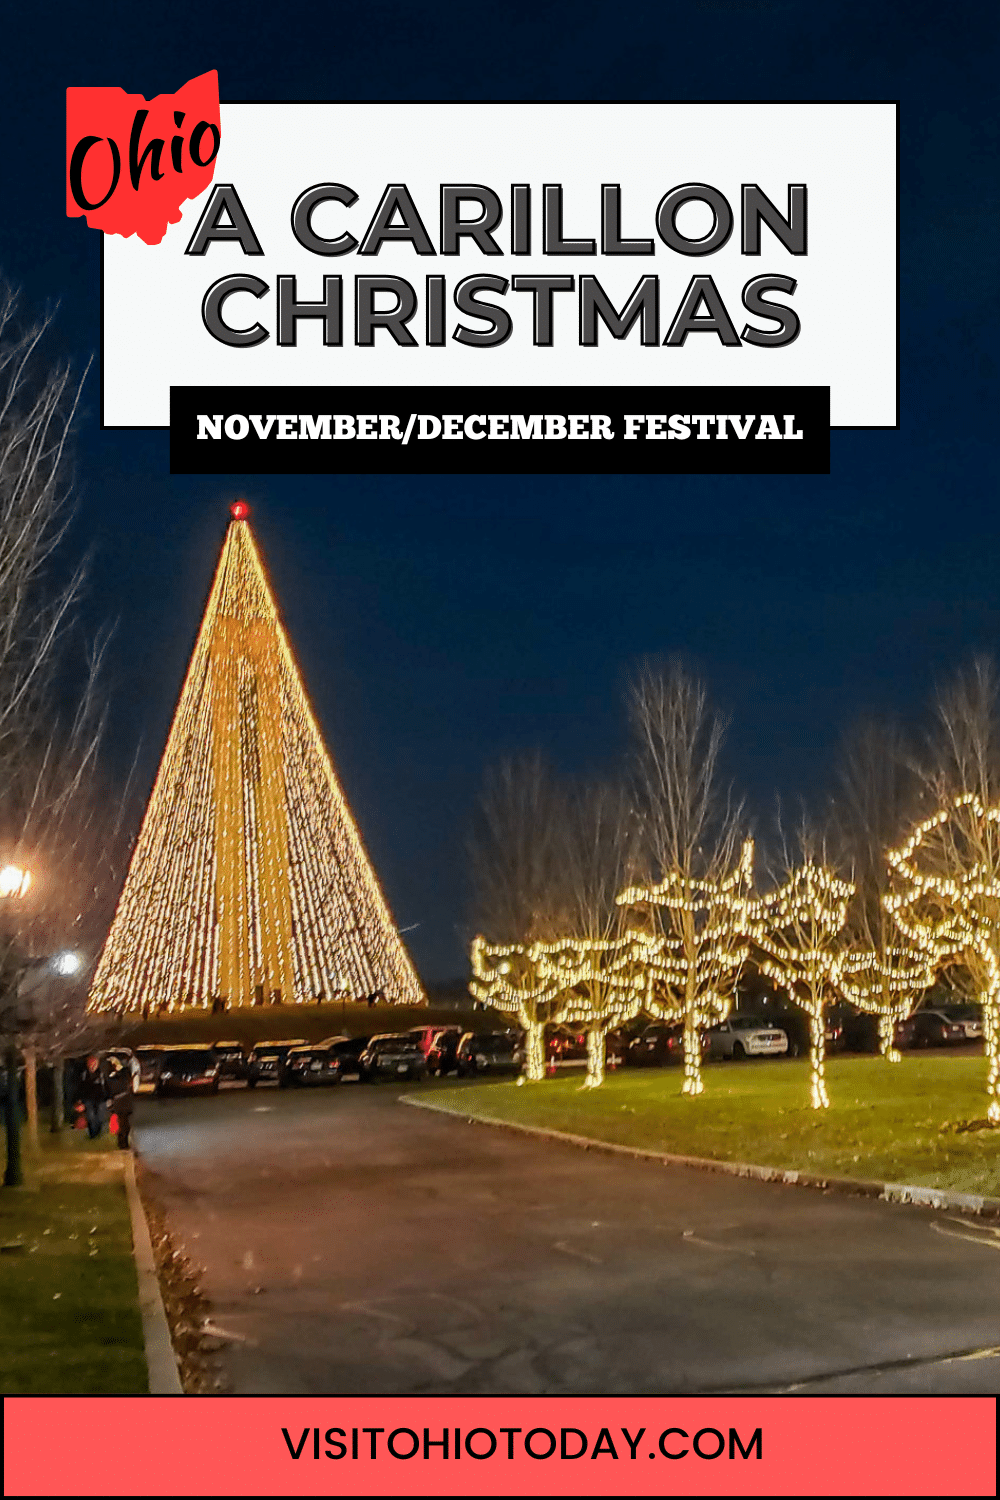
441,622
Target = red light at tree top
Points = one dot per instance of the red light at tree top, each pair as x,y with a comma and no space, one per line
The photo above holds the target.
239,510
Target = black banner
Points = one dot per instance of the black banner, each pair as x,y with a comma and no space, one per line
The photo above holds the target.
500,429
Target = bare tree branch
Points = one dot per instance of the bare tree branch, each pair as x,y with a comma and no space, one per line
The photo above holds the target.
697,864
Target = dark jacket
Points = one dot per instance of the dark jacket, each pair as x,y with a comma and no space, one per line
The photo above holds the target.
93,1086
120,1091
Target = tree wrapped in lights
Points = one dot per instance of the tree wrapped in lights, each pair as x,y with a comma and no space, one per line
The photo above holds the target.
571,853
883,973
249,883
606,987
946,875
600,959
799,929
596,985
515,978
517,858
694,959
886,982
697,864
947,902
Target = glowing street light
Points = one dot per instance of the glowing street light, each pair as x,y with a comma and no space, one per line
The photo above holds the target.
14,881
67,963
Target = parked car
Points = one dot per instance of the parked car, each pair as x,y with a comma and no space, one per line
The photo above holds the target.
656,1045
795,1024
398,1055
316,1063
187,1070
565,1046
267,1059
424,1035
442,1055
348,1049
490,1052
616,1046
744,1036
861,1033
232,1060
947,1025
149,1058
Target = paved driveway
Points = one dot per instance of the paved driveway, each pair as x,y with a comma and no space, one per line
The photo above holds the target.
351,1244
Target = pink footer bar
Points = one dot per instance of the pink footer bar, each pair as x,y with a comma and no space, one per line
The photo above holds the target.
509,1445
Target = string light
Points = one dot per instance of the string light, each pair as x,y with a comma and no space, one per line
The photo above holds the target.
796,933
886,984
598,983
798,928
512,978
249,881
693,962
603,983
948,904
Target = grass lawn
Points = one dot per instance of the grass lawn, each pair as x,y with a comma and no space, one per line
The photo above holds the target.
885,1121
265,1023
71,1322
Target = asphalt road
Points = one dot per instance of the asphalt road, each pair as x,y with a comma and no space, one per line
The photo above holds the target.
353,1245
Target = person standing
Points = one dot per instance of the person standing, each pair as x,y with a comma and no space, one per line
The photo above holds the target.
122,1093
93,1095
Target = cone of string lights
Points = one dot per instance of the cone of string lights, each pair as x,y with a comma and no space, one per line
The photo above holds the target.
249,883
694,955
799,931
946,899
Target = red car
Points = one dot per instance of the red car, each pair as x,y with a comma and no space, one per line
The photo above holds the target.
442,1055
566,1046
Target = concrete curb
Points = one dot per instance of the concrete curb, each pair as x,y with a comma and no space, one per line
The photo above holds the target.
888,1192
164,1377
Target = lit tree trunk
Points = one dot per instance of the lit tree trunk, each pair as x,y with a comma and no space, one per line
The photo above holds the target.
534,1050
692,1031
14,1173
991,1037
888,1017
692,1056
886,1030
595,1056
31,1098
817,1056
56,1120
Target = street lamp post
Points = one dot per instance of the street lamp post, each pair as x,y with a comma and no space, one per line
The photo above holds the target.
15,883
13,1175
33,975
65,964
19,981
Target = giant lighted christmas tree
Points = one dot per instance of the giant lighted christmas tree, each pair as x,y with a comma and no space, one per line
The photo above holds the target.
249,883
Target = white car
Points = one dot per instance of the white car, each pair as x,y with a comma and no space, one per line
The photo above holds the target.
745,1036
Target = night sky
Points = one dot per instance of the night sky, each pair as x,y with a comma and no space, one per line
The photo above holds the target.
443,622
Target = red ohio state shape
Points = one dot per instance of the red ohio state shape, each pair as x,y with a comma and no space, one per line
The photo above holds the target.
132,162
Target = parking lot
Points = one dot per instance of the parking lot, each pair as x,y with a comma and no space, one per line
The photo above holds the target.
349,1243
